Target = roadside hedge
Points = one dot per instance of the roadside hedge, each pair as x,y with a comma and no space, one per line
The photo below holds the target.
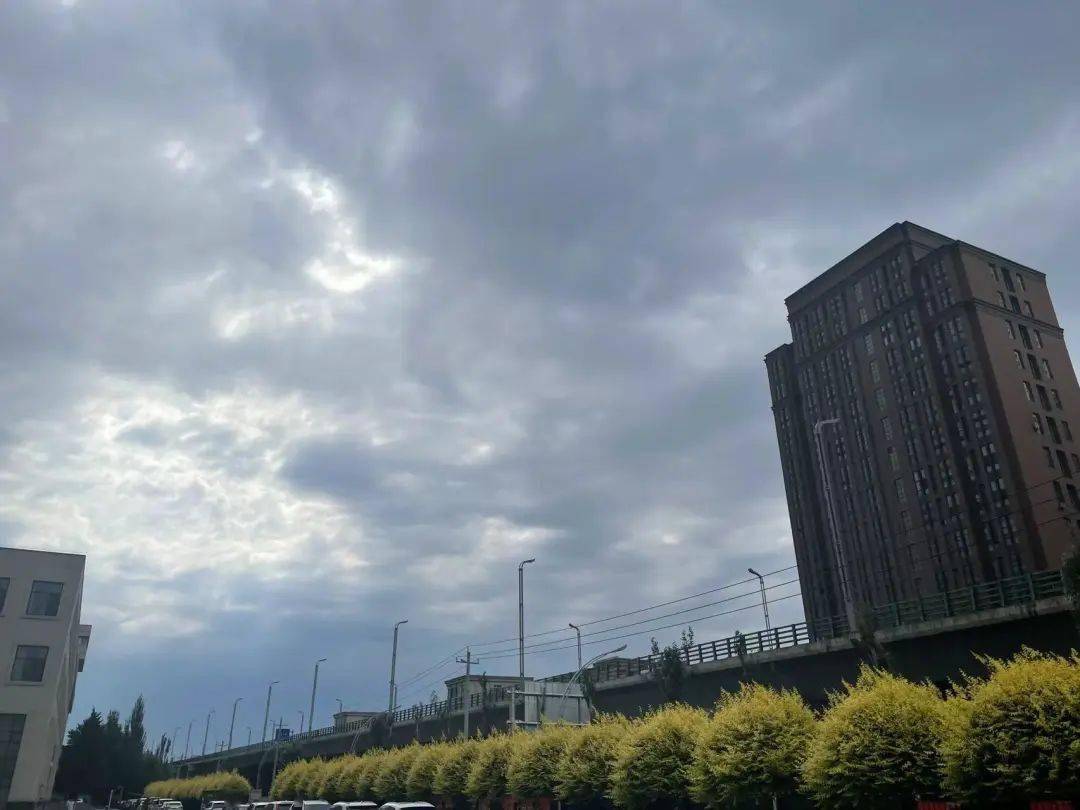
882,742
224,785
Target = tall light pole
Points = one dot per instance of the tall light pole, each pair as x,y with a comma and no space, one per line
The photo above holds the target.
578,631
838,546
301,726
187,742
249,735
521,630
764,599
581,669
232,722
206,733
172,744
266,714
393,670
314,684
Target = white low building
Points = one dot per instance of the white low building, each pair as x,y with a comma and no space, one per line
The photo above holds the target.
42,649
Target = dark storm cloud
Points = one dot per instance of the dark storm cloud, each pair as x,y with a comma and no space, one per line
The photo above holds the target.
313,318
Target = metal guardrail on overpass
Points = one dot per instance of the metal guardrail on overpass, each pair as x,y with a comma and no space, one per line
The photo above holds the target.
1018,590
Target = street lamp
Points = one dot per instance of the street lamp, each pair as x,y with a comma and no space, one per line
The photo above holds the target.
393,670
249,735
187,742
301,726
314,684
764,599
578,631
581,669
266,714
233,721
206,734
172,744
838,547
521,630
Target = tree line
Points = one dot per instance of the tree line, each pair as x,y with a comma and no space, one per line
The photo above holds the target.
104,754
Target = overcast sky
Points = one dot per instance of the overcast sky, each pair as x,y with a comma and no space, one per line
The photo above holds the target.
318,316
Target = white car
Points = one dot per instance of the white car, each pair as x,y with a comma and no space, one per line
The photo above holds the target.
352,805
315,804
406,806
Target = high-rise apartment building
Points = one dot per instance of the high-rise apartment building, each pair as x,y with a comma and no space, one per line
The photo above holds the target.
928,417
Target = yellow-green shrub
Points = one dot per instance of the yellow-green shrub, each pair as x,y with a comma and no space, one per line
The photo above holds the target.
284,786
328,783
420,780
878,744
222,785
343,783
533,767
652,769
1015,736
452,776
393,771
752,748
307,786
487,773
363,788
587,762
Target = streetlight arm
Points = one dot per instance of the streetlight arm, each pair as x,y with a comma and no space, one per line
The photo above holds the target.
582,669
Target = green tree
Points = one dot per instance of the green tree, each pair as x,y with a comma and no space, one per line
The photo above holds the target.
752,749
533,768
420,781
586,764
83,767
452,776
393,771
653,766
878,744
487,774
1015,736
670,670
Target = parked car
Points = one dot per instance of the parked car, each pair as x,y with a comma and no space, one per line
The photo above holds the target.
406,806
315,804
352,805
218,804
280,806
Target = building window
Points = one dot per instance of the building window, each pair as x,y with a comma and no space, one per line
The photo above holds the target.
1044,400
1020,279
1050,423
1049,457
4,582
868,342
1063,463
1038,338
879,395
1025,337
886,428
1057,398
29,666
11,731
1001,299
1027,391
1027,309
44,598
1034,367
1019,358
1036,422
1012,331
1068,431
1046,369
994,272
1014,303
863,317
875,372
894,459
900,494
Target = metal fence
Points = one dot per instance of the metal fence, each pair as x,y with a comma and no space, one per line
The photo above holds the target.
1018,590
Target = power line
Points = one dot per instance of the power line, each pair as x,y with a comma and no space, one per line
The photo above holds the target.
756,592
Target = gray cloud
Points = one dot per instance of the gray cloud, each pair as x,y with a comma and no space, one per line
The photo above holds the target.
312,319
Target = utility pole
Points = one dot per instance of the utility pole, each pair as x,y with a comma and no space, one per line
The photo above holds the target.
249,735
314,684
838,546
393,671
468,661
233,721
187,742
266,714
206,734
578,631
521,633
